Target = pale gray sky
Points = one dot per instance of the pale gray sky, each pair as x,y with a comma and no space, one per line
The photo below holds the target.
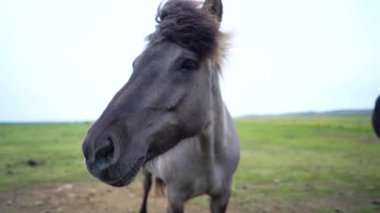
64,60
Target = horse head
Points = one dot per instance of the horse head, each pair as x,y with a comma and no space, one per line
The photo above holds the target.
167,97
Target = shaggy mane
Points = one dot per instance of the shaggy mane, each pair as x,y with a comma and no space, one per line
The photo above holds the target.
190,26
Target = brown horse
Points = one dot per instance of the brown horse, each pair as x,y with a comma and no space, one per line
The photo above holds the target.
376,117
169,119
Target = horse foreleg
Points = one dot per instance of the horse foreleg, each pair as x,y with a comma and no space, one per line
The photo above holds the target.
175,208
147,186
176,201
219,203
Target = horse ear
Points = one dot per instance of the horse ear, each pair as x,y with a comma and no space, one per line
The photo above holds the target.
215,7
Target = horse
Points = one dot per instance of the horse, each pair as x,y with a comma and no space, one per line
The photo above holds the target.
169,119
376,117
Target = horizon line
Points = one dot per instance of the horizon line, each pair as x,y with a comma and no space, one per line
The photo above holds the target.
294,113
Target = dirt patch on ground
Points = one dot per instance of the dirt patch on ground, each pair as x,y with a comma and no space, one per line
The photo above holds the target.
87,197
96,197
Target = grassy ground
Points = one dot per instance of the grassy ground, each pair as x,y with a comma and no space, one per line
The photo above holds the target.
40,153
305,164
319,164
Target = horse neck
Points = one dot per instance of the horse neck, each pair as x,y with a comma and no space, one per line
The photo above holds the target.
212,139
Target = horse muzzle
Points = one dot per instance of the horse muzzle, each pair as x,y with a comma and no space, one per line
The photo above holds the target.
104,161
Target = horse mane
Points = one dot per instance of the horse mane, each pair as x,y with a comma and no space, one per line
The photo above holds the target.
192,27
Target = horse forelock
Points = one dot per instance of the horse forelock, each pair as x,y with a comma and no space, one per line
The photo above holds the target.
192,27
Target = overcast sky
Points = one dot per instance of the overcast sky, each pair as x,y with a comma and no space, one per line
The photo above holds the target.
64,60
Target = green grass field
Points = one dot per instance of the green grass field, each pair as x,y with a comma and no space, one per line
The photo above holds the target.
322,163
55,147
313,163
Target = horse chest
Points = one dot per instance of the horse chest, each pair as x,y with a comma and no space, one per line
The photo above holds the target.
187,168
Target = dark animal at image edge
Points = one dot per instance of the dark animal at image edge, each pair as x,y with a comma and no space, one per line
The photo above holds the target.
169,120
376,117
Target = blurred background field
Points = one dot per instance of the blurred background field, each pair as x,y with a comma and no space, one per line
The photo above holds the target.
314,163
41,153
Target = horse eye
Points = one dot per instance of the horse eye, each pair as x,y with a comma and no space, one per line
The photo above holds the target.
189,65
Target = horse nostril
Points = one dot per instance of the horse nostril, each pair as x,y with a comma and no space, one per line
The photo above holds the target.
104,153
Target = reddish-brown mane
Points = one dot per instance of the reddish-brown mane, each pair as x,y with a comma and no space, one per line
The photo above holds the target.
191,27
